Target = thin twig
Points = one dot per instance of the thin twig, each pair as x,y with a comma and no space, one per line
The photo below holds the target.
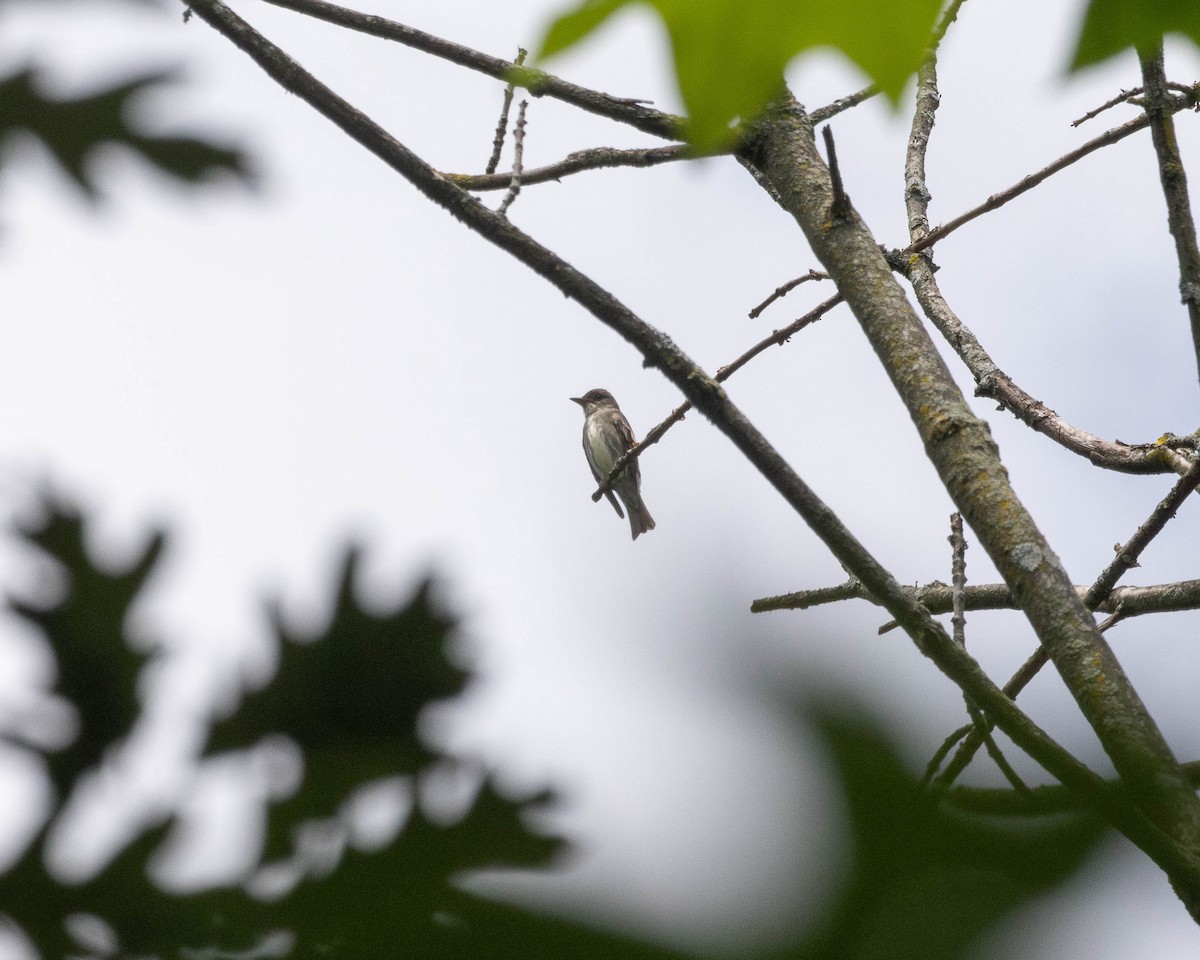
940,754
958,622
502,125
1173,177
949,15
828,112
787,288
1037,802
958,579
1123,96
1027,183
595,158
1131,96
777,339
518,160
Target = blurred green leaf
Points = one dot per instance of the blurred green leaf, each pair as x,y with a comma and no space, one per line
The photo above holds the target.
82,608
356,686
730,55
1110,26
927,882
74,129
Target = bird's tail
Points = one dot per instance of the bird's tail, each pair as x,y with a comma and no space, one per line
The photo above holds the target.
639,519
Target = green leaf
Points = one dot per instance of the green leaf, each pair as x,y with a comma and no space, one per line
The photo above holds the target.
83,617
356,686
73,128
928,881
572,27
1110,26
730,55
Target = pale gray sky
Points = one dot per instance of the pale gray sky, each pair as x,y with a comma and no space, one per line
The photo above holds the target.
334,356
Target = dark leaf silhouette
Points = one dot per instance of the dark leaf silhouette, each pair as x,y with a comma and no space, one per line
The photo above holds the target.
73,129
927,881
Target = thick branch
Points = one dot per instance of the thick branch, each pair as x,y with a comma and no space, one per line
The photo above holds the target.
1125,559
961,448
936,597
1175,188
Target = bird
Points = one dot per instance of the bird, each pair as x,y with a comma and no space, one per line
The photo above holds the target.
606,436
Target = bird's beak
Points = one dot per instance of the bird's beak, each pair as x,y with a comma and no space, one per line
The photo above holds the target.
579,400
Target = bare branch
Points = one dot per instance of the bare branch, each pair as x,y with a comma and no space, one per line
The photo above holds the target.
710,398
594,159
502,125
1126,558
1123,97
1025,184
537,82
1174,185
958,622
828,112
777,338
514,187
991,381
937,598
787,288
958,579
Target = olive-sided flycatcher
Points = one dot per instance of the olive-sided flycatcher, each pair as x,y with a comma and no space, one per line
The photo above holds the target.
607,435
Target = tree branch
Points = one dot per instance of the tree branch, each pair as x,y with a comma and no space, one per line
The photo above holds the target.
780,292
936,597
710,399
1174,186
958,622
961,448
502,124
518,164
777,338
1027,183
1126,559
594,159
991,381
537,82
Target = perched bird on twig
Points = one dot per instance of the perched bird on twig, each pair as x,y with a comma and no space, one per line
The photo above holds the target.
606,436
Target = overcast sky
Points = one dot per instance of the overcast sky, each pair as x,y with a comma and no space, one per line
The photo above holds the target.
272,373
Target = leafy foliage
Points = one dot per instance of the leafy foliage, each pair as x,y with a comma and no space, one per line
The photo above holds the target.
350,697
75,129
730,54
925,881
1111,26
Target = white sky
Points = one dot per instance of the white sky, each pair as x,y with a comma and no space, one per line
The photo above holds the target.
272,373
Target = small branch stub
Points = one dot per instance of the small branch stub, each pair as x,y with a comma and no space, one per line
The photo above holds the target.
839,209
